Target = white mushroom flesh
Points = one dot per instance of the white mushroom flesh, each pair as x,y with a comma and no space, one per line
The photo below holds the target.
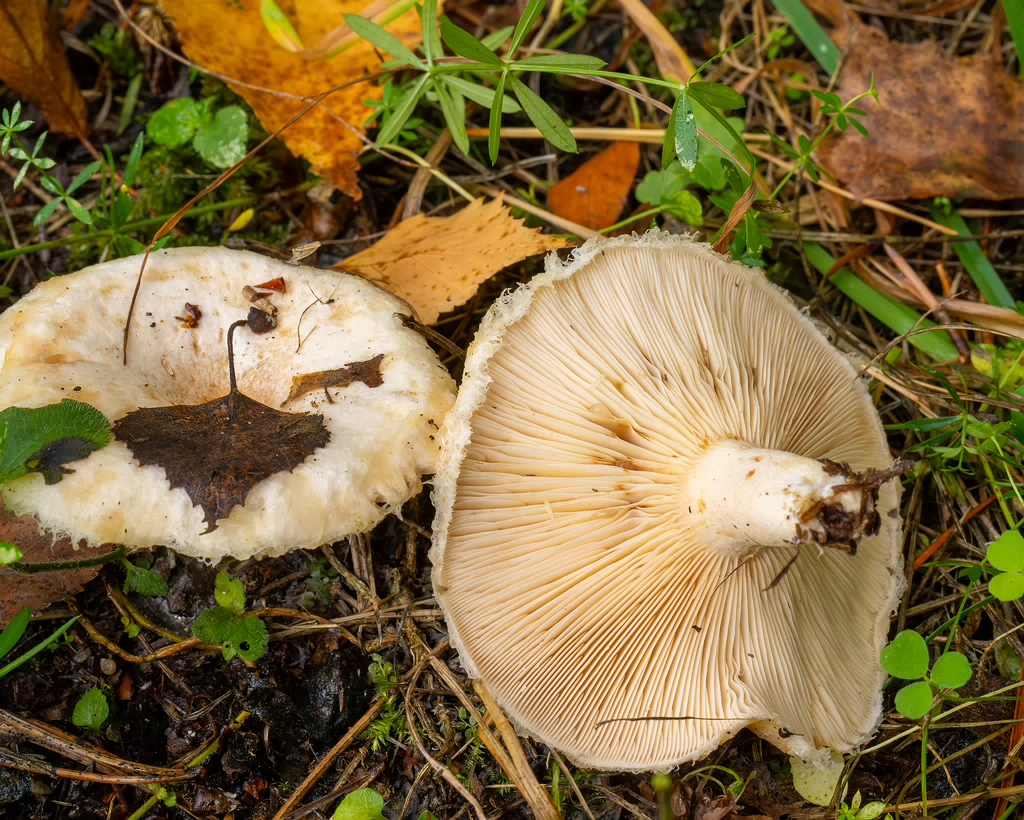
63,340
600,402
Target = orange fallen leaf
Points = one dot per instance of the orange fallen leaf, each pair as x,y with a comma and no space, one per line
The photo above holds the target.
231,39
596,192
437,263
673,63
33,64
944,126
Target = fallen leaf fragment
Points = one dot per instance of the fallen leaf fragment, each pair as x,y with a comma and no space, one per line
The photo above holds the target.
367,372
231,39
218,451
595,193
673,63
945,126
437,263
33,64
40,589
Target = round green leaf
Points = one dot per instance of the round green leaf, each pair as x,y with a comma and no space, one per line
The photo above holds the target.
1007,552
363,804
906,656
175,123
914,701
1007,587
951,671
222,141
92,710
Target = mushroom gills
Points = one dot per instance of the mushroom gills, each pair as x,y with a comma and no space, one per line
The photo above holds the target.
748,498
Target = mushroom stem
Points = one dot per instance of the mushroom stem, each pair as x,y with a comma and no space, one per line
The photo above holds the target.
748,498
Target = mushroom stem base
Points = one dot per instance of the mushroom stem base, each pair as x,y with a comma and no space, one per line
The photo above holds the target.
748,498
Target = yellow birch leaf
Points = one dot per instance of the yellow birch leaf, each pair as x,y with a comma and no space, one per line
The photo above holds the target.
33,64
437,263
232,39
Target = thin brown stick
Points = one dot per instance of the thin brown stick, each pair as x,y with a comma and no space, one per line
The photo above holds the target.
56,740
435,764
321,768
160,654
346,740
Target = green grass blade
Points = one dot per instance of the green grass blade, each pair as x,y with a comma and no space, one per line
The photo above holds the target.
810,33
976,263
39,647
894,315
15,629
1015,22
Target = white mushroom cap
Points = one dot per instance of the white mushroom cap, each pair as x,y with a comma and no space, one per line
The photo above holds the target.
624,424
63,340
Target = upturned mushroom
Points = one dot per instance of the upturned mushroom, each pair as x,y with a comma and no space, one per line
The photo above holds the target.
665,512
321,423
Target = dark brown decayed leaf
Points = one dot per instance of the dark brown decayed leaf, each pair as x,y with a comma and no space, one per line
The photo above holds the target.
945,126
218,451
367,372
33,64
40,589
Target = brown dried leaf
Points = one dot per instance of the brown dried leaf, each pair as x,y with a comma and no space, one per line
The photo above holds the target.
367,372
40,589
673,63
33,64
218,451
437,263
230,38
596,192
945,126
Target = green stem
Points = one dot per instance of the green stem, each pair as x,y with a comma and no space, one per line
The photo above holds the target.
35,650
57,566
634,218
144,808
804,157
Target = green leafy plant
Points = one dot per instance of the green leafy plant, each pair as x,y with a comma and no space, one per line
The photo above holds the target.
1006,554
906,657
140,580
226,624
391,725
854,811
9,554
44,439
92,710
11,125
362,804
218,137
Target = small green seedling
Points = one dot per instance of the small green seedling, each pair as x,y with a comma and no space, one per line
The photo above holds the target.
141,580
225,624
1006,554
11,125
906,657
92,710
9,554
219,138
362,804
391,725
854,811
